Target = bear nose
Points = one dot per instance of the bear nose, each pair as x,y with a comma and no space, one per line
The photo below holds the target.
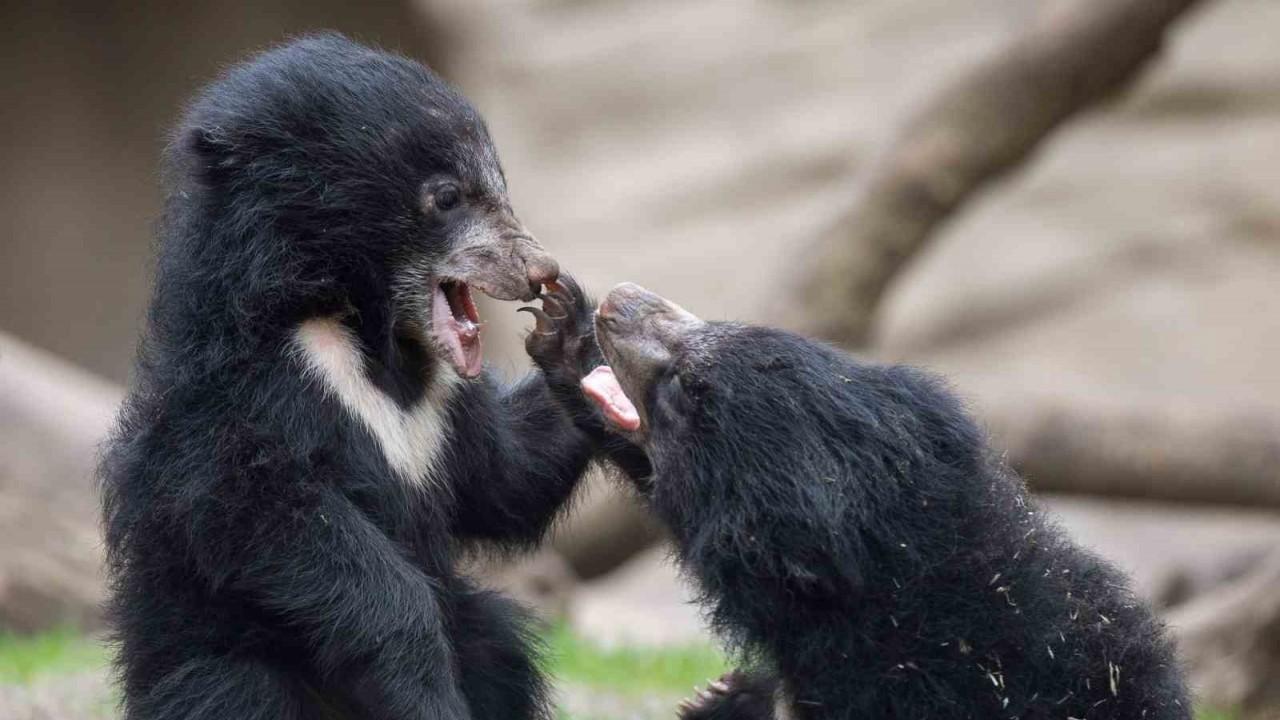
541,269
629,308
628,301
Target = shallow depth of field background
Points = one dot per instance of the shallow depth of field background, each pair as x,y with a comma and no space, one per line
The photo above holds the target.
1110,309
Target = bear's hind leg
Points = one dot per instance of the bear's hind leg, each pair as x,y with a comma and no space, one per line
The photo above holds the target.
220,688
496,654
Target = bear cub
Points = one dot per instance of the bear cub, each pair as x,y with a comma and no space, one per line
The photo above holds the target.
311,439
856,541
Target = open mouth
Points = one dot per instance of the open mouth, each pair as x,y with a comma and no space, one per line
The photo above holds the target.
455,323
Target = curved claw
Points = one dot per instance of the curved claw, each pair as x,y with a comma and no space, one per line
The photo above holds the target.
564,290
553,304
543,323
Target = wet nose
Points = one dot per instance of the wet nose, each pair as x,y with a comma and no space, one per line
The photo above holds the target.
629,307
628,301
540,268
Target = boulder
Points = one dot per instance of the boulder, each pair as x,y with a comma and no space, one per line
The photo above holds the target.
52,418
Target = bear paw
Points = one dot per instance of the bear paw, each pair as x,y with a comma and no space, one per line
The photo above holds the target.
735,696
562,341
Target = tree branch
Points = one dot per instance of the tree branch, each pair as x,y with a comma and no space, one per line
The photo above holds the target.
1076,55
1186,455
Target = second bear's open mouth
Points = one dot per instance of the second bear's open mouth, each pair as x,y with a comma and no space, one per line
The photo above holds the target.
455,323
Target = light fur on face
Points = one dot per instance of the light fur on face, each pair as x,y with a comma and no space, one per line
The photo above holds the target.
497,255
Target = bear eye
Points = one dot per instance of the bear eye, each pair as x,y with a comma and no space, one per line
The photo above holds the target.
447,197
670,399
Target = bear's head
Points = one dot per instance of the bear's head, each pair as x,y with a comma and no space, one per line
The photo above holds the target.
325,177
676,383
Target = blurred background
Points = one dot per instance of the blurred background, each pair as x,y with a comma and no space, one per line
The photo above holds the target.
1071,208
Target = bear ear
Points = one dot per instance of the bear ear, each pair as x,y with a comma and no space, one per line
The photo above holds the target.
213,150
207,142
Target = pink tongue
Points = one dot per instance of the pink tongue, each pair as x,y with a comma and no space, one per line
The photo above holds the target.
468,357
460,337
603,389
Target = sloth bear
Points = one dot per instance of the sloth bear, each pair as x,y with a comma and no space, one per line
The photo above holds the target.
310,437
855,540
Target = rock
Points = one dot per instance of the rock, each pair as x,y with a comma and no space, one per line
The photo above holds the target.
1230,640
543,582
52,417
607,526
644,602
1174,553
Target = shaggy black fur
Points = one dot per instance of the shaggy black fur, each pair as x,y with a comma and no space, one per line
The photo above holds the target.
850,531
267,560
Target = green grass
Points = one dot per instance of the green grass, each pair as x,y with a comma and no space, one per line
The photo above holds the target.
630,670
24,657
624,671
569,657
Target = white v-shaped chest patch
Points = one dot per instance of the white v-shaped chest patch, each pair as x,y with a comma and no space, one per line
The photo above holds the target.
412,439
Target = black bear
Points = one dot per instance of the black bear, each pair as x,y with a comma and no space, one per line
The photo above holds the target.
310,437
855,539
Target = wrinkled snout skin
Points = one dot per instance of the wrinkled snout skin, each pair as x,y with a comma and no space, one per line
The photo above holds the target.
497,255
640,333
